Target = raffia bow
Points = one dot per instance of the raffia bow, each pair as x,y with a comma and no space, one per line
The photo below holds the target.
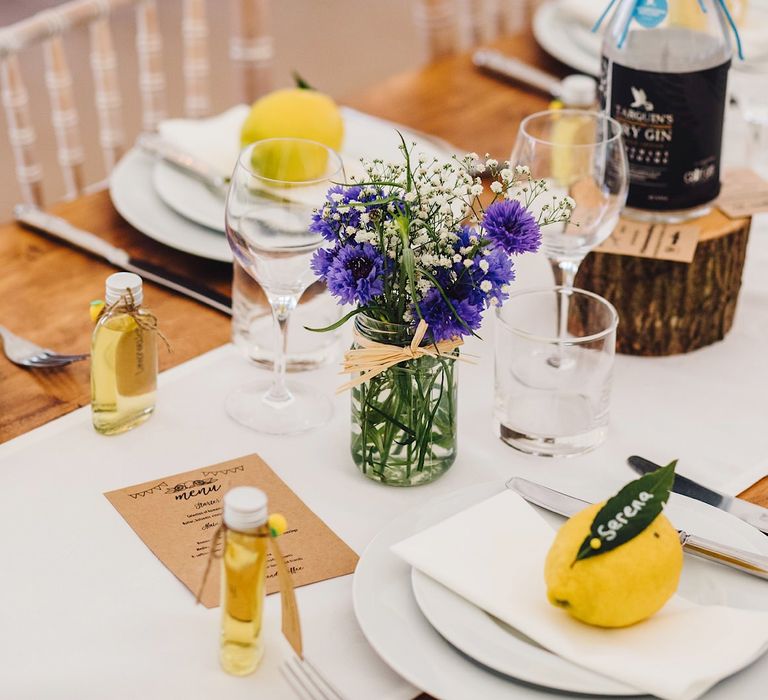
371,358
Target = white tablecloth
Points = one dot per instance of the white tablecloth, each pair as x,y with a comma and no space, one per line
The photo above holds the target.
87,611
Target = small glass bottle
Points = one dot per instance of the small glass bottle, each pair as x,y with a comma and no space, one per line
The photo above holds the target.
123,358
243,579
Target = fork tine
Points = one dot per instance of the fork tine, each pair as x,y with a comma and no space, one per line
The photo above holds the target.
306,663
297,685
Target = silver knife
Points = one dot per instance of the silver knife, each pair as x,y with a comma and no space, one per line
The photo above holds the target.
751,513
185,162
35,218
566,505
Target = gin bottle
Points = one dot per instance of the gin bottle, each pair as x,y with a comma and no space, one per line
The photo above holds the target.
664,73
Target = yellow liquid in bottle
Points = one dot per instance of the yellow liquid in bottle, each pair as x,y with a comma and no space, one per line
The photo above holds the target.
243,580
123,373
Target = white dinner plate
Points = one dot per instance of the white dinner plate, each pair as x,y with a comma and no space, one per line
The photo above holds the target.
364,136
566,40
130,187
391,619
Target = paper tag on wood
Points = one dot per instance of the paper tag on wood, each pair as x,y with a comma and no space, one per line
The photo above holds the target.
743,193
676,242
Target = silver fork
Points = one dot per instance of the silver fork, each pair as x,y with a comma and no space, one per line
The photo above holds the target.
25,353
306,682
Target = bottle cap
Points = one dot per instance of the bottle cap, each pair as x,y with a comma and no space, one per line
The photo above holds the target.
117,285
245,508
578,91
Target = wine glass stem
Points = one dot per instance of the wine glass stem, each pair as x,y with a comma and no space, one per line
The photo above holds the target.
282,306
565,273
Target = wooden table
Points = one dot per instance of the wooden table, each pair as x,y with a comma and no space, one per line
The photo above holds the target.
46,287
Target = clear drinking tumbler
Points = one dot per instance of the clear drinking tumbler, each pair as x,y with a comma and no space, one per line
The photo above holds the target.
552,389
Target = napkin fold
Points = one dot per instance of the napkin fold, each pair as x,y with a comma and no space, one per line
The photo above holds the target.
493,555
216,140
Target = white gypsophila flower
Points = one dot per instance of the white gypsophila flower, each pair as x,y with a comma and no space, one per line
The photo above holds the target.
337,196
486,286
336,216
479,167
423,285
410,196
506,174
522,170
471,157
365,217
476,190
491,163
468,262
483,265
494,301
496,187
350,230
457,258
569,202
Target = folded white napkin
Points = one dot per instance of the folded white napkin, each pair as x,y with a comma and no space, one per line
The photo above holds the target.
493,555
216,140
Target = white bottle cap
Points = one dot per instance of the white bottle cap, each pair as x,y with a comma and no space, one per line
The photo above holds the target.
245,508
578,91
117,285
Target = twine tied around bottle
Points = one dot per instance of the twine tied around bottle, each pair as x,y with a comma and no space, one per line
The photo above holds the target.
289,610
147,321
372,358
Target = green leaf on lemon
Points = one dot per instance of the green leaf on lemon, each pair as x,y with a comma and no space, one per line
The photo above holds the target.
628,513
300,82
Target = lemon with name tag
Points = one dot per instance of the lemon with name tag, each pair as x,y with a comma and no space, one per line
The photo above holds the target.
616,563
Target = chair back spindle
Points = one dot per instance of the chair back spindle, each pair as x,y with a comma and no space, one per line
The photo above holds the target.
109,101
21,133
149,45
64,116
194,31
251,48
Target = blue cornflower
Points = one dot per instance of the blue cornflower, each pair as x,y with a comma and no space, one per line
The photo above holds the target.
484,279
443,322
322,260
332,220
355,274
511,227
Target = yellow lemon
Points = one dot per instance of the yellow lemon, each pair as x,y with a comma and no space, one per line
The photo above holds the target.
297,113
621,587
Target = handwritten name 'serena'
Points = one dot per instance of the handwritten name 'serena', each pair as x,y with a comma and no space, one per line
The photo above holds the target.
608,532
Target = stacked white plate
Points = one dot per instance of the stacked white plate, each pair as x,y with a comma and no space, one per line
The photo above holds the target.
182,213
451,649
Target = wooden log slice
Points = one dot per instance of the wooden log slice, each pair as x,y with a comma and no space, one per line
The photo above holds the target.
665,307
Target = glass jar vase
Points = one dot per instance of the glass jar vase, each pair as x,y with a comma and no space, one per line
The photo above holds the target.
404,419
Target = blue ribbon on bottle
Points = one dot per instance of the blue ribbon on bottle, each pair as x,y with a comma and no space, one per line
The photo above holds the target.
625,30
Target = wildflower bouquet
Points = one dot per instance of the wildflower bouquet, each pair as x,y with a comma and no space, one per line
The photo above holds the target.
414,249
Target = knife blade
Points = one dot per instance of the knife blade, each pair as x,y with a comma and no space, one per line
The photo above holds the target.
563,504
185,162
751,513
38,220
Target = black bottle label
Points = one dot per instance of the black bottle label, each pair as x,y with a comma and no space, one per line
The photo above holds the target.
673,130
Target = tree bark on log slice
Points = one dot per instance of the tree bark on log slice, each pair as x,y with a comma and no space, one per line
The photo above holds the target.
665,307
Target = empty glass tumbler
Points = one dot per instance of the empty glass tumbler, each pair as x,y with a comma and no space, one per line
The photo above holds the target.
553,389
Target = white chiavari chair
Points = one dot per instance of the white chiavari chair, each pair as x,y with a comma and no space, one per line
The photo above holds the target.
250,50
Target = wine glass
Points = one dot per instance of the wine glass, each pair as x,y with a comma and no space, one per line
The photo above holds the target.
579,154
275,188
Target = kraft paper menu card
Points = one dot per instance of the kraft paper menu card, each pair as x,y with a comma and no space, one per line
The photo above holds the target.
176,517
